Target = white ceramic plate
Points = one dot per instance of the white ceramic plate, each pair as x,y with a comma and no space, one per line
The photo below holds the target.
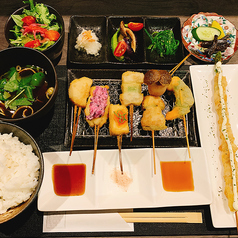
146,189
202,82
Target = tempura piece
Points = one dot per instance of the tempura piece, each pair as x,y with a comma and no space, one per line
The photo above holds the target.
184,99
118,120
79,91
131,88
228,147
97,107
153,119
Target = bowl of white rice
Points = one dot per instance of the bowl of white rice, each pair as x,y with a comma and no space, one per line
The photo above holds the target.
21,170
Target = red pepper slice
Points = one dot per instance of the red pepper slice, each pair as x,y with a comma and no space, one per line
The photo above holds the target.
32,44
52,35
120,49
134,26
28,20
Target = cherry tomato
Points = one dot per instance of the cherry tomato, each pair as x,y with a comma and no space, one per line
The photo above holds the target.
28,20
32,44
135,26
52,35
120,49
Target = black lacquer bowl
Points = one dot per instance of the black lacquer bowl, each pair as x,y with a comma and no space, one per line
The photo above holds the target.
54,52
22,56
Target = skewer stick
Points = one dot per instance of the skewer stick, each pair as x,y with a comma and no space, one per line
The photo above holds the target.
172,71
119,142
153,140
77,112
96,131
185,126
236,215
185,130
131,120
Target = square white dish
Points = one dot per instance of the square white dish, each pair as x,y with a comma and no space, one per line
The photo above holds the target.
203,88
202,189
145,189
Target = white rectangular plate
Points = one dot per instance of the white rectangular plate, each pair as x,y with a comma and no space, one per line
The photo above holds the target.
145,190
203,88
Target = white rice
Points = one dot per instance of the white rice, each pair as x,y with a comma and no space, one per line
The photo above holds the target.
19,171
91,48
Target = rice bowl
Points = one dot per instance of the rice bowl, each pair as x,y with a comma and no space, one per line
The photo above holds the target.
21,169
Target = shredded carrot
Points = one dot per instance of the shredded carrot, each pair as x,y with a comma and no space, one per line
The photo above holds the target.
87,36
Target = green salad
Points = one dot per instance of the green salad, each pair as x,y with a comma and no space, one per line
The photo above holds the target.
35,27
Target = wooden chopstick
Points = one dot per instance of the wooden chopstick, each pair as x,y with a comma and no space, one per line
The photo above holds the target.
162,217
172,71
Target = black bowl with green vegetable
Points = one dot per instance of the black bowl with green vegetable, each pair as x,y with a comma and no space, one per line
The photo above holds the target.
163,40
37,26
28,84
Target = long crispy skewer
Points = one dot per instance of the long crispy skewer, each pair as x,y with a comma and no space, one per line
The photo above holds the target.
153,141
131,120
119,142
96,131
77,112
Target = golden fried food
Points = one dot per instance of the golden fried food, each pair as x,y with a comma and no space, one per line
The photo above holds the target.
97,107
184,99
79,91
227,145
131,88
153,119
118,120
157,81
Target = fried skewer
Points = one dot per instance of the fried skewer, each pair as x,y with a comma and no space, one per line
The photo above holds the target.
96,112
152,118
227,146
131,92
78,94
118,125
183,103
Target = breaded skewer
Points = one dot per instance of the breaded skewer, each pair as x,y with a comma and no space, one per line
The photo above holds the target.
96,112
228,147
78,93
118,125
153,119
131,92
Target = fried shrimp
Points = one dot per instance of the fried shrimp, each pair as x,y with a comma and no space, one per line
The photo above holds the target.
184,99
227,144
152,118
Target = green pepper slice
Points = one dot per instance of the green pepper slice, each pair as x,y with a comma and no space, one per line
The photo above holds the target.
114,43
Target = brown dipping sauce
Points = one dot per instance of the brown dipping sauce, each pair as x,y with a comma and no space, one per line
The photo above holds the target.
69,179
177,176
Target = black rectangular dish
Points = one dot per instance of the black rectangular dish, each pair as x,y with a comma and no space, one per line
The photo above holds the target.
173,136
106,26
